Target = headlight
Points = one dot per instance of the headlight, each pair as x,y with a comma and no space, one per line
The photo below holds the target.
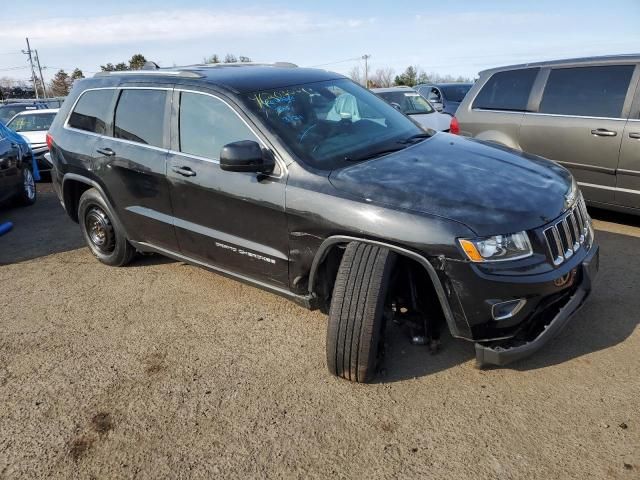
497,247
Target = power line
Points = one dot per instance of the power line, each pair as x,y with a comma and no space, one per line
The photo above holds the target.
338,61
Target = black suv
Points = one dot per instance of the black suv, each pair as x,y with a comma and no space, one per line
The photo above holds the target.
306,184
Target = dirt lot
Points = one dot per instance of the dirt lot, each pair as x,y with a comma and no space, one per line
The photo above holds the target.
163,370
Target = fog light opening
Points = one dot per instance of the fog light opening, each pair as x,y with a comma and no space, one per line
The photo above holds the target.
508,309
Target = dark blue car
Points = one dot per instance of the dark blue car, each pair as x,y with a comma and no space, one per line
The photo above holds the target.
18,169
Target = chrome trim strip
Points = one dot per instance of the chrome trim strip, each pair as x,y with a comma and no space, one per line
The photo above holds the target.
634,173
604,187
583,166
511,314
523,112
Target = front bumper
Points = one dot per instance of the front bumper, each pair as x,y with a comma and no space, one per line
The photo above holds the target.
502,353
39,153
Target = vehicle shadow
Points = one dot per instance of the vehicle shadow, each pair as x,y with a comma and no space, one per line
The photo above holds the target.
607,319
41,229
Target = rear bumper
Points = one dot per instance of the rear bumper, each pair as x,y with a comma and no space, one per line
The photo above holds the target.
499,354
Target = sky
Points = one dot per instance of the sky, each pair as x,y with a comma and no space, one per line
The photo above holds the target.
458,38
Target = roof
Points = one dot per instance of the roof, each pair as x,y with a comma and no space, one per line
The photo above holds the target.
399,88
445,84
631,58
37,111
237,77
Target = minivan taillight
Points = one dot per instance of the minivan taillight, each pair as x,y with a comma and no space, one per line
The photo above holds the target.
49,141
454,127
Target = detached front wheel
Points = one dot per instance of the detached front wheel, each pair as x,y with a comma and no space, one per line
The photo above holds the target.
102,232
356,317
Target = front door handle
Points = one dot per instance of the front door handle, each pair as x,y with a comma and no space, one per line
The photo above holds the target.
107,152
184,171
634,135
603,132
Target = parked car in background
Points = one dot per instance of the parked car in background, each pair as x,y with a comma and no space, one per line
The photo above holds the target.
17,180
411,103
9,110
33,125
304,183
445,97
582,113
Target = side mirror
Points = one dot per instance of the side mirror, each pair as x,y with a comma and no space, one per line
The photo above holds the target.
438,106
396,106
245,156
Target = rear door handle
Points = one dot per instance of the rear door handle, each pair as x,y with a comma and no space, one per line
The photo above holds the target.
107,152
184,171
634,135
603,132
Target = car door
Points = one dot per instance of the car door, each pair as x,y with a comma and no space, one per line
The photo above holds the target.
579,122
233,221
9,172
628,175
132,164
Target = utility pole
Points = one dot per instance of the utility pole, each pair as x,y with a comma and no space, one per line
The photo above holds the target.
33,72
44,89
366,70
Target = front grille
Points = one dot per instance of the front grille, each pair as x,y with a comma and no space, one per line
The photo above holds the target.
565,236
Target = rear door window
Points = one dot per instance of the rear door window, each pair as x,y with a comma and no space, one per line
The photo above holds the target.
92,111
587,91
507,90
140,116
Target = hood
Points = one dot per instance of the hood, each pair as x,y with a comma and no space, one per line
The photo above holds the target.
490,189
35,138
436,120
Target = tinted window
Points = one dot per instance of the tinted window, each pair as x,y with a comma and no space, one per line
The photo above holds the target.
587,91
140,116
455,93
91,113
207,124
7,112
507,90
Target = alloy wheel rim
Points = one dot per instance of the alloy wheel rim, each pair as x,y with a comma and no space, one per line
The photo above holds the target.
29,184
100,230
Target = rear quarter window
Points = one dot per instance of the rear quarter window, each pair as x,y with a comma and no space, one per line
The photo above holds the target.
92,111
507,90
597,91
139,116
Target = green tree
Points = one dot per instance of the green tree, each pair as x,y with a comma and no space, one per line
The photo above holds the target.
137,61
409,77
230,58
77,74
244,59
60,84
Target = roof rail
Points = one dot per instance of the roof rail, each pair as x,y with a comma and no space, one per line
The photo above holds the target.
171,73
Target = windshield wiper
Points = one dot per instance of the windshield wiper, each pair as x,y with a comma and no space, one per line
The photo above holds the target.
377,154
413,138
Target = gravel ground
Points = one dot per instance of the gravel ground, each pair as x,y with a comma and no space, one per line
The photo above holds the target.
164,370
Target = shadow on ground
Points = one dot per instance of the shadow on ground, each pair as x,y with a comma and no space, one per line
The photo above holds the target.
41,229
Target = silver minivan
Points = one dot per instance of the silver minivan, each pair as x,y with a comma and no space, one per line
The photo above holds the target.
582,113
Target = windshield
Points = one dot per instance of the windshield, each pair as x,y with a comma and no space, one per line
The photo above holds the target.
8,111
327,124
409,103
32,122
455,93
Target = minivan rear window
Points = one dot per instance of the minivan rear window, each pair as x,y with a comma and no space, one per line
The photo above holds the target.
507,90
597,91
140,116
91,113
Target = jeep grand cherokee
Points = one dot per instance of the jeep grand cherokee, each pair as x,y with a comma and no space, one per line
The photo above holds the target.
301,182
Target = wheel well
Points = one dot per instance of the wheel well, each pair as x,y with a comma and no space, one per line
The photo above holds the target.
72,191
406,271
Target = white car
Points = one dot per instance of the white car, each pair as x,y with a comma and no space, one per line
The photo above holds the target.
411,103
33,125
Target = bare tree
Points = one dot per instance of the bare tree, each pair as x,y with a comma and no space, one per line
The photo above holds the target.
356,74
383,77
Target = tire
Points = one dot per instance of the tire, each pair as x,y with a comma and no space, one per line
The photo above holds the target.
356,317
28,193
102,230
